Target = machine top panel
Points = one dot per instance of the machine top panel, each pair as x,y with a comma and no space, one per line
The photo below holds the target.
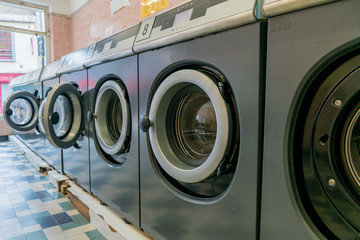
16,81
73,61
36,74
26,78
114,47
194,19
277,7
51,69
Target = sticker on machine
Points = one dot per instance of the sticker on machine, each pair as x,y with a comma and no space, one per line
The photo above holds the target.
149,7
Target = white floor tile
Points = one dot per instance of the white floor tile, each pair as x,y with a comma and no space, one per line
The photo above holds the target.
10,222
73,212
52,230
87,227
72,232
33,228
60,200
55,210
81,236
56,236
23,213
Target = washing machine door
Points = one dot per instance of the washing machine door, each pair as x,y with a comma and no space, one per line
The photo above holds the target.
112,117
62,118
189,126
21,111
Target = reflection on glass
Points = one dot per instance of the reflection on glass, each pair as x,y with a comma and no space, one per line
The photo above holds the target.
22,111
352,148
114,117
63,108
195,125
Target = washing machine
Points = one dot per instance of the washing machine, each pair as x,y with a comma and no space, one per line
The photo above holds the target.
21,108
311,171
201,84
113,115
71,92
49,80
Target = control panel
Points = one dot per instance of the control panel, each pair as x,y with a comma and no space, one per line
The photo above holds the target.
16,81
51,69
35,75
190,15
74,61
118,42
27,77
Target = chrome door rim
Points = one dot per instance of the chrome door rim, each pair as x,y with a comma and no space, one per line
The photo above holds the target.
109,145
165,156
33,101
60,125
74,97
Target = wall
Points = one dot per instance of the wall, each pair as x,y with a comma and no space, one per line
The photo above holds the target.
89,24
60,37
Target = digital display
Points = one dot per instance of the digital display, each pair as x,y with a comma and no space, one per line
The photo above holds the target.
182,17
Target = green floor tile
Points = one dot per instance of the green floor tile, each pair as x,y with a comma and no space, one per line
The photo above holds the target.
98,238
43,178
36,235
48,186
47,199
41,214
69,225
57,195
66,206
28,223
93,234
22,237
79,219
26,218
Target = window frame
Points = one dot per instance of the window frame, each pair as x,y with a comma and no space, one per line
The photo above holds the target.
12,40
46,33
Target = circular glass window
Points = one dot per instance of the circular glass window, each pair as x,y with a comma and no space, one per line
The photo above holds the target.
22,111
41,114
194,127
190,129
63,108
112,120
352,147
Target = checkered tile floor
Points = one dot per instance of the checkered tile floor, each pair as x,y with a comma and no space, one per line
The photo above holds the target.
31,208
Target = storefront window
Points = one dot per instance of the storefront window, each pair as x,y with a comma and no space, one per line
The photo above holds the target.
6,46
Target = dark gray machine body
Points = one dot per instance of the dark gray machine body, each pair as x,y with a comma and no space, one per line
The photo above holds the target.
76,158
300,45
115,177
30,83
51,154
167,210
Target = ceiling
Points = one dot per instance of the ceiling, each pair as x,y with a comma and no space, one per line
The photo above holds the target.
10,9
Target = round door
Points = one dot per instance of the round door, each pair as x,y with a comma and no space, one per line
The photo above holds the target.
21,111
61,106
62,119
112,117
325,147
190,124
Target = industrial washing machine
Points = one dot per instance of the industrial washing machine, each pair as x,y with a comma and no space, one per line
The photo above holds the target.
73,138
113,115
201,90
311,177
49,79
21,108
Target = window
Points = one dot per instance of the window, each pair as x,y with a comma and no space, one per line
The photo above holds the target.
6,46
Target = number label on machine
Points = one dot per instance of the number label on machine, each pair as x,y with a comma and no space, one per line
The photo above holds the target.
145,29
